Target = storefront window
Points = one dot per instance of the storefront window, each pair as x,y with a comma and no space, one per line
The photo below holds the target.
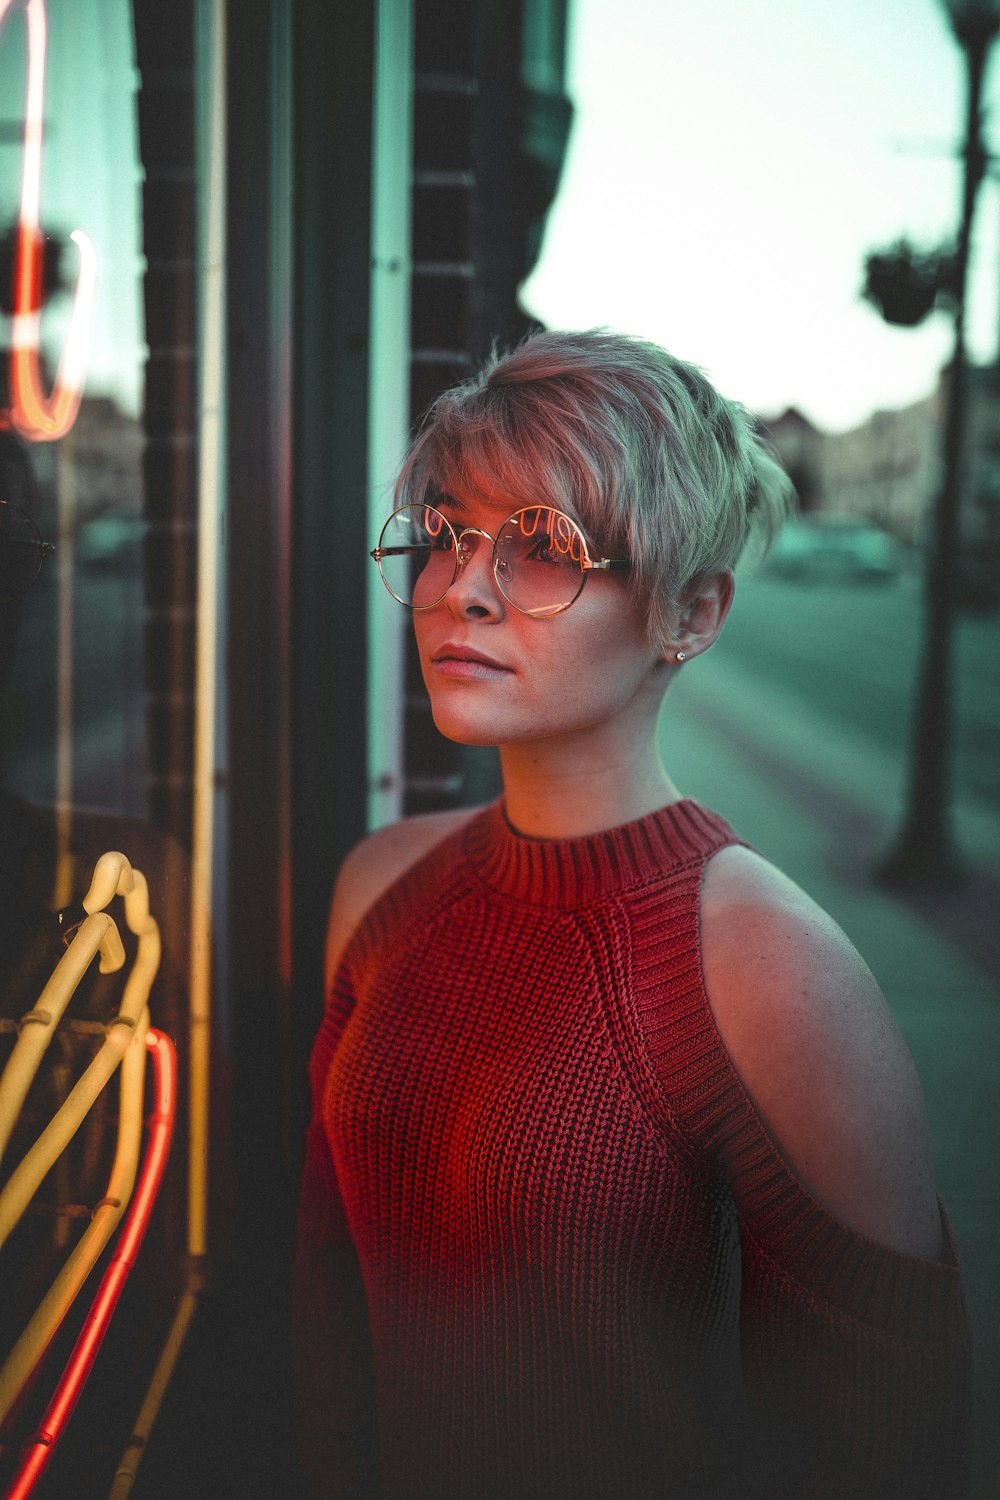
73,723
98,496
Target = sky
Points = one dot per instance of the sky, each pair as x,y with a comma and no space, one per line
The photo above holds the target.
730,165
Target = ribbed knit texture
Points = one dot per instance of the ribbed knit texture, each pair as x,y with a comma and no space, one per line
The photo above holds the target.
584,1268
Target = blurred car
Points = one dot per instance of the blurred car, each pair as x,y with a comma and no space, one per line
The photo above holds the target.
835,548
110,541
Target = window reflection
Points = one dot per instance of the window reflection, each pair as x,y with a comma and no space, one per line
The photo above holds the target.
72,714
74,777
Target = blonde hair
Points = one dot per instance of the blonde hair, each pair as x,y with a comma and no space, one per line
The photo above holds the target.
636,444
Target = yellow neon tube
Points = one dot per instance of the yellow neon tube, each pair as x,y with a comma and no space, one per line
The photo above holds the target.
97,934
37,1336
38,1161
211,445
113,875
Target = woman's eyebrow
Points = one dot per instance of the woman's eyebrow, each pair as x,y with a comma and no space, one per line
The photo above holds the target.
451,502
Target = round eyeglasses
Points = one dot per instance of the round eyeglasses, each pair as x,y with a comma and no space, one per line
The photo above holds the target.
540,558
22,550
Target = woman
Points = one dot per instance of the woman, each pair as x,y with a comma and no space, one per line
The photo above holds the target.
618,1180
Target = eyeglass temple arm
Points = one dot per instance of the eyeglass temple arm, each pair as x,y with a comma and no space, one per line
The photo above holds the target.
379,552
24,541
607,563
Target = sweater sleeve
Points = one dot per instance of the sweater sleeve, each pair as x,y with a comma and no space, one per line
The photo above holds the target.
857,1359
332,1352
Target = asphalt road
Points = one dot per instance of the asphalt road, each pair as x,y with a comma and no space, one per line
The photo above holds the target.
851,652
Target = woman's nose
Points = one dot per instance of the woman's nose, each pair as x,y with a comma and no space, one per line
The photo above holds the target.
475,587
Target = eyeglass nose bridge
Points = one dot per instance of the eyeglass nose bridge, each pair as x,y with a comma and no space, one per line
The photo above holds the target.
463,551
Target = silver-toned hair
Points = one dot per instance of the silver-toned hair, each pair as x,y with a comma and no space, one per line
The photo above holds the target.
634,443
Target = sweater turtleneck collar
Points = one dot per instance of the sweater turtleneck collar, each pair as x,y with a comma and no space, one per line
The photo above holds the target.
575,871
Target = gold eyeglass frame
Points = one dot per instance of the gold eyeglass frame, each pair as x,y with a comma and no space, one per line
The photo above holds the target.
30,537
587,563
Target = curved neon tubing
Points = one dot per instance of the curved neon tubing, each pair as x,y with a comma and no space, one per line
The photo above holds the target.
38,1161
60,1408
39,417
113,876
26,1355
97,934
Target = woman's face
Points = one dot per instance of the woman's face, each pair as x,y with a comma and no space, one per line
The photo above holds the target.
496,676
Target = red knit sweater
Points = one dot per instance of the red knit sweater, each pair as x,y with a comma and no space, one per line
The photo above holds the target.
546,1246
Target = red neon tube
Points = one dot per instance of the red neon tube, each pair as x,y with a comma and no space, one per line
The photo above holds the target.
37,416
39,1449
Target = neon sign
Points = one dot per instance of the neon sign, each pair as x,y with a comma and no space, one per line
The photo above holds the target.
35,414
434,521
564,535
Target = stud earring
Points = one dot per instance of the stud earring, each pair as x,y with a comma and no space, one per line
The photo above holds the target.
680,656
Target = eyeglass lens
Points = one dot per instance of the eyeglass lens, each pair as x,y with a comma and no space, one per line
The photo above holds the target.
21,547
417,556
537,558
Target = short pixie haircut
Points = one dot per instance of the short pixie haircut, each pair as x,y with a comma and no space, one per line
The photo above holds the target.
634,443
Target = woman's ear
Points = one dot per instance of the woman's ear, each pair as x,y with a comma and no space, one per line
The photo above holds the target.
702,615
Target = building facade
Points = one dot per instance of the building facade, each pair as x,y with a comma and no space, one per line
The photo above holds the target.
888,469
288,224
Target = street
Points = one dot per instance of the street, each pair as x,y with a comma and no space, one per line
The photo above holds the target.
851,651
816,682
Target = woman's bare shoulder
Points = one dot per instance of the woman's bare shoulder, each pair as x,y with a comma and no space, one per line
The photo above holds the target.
819,1051
375,863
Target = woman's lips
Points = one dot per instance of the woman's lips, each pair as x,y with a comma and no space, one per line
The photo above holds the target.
462,661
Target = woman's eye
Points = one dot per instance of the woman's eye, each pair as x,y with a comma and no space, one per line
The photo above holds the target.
540,549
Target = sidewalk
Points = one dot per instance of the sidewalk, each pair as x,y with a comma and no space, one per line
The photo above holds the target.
823,804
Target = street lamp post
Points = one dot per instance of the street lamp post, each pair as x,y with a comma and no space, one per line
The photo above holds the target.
925,850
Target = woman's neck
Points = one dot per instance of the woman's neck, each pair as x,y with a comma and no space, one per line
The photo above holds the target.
549,793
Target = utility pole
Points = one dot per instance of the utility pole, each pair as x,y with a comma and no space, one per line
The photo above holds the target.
925,851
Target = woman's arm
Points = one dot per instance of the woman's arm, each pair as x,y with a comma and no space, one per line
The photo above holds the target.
819,1052
855,1336
333,1366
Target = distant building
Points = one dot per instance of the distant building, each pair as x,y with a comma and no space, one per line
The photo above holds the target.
799,445
887,470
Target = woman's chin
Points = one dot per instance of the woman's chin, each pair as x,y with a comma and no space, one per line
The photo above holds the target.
468,729
463,735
